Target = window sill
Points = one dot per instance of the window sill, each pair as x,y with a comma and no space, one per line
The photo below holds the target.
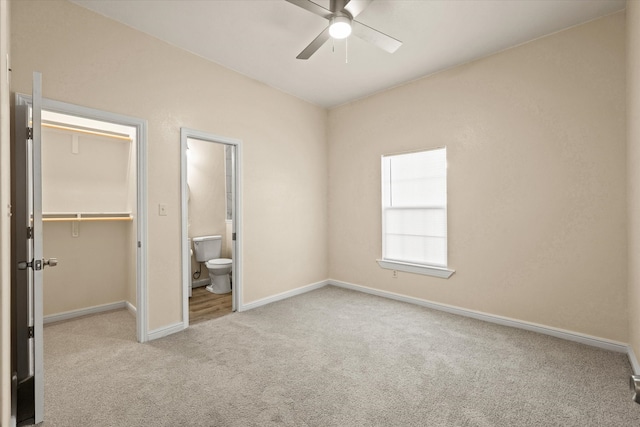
443,273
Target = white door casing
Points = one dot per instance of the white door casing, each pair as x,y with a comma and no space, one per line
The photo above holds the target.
236,247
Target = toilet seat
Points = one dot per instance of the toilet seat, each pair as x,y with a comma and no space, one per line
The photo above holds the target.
219,263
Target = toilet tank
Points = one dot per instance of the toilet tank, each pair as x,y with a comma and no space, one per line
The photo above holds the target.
207,247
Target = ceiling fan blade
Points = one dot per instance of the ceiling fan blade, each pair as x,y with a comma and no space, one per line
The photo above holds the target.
375,37
314,45
355,7
312,7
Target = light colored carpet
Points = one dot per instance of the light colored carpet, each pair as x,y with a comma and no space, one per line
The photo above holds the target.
331,357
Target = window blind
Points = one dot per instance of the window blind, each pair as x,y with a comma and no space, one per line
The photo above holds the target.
415,207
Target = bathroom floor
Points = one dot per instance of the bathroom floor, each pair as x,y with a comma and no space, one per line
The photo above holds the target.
203,305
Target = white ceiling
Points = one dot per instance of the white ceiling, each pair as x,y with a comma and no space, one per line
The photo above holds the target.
261,38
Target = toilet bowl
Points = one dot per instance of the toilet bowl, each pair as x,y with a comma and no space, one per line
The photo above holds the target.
219,270
208,250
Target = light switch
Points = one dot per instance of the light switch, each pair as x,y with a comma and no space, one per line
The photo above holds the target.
162,209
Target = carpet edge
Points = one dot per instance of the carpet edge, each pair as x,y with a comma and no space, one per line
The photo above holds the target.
589,340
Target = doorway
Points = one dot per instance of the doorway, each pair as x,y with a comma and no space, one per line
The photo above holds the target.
76,211
211,210
88,210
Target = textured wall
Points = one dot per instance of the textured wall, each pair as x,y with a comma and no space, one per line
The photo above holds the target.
633,142
95,179
92,61
535,137
208,196
206,179
94,267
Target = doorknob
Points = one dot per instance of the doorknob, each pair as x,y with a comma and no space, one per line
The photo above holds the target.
23,265
51,262
38,264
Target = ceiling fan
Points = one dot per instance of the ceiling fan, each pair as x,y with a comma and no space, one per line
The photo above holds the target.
342,24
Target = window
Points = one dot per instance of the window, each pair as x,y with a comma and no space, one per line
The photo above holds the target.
414,212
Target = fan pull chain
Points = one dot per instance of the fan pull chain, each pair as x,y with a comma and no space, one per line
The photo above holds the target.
346,50
333,45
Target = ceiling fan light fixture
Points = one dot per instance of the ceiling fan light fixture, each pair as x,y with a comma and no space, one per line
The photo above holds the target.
340,27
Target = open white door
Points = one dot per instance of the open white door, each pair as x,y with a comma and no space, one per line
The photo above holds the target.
27,310
235,297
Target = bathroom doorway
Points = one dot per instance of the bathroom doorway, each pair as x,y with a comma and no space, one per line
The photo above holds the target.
210,219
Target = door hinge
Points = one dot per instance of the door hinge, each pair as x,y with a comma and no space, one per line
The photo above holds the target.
29,232
233,236
29,133
30,331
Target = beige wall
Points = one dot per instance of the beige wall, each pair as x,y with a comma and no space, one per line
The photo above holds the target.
94,267
206,179
207,194
535,137
89,60
5,224
96,179
633,142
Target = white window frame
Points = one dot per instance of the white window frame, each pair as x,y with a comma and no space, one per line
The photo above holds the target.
441,271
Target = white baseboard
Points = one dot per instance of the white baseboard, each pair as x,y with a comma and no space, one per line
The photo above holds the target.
132,308
52,318
200,282
505,321
164,331
282,295
635,365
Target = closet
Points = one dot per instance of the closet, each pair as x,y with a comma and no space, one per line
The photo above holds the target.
88,204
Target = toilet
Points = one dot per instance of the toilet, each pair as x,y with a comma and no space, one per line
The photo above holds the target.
208,249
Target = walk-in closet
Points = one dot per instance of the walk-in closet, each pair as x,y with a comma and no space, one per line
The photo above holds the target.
89,207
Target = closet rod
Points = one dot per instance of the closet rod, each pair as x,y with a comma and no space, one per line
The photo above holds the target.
121,137
95,218
86,216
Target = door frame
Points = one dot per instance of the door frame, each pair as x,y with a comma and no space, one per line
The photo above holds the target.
236,246
142,324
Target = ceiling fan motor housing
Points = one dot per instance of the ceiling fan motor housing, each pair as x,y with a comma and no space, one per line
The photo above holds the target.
340,27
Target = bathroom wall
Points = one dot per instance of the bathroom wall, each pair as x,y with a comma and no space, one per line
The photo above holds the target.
94,268
207,193
536,149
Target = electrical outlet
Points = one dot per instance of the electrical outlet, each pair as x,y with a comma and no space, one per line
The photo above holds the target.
395,274
162,209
